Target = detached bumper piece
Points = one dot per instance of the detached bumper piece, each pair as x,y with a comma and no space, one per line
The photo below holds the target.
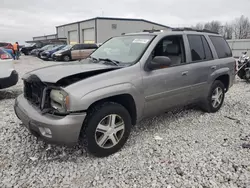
9,81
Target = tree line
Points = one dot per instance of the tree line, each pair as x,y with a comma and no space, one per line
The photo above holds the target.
239,28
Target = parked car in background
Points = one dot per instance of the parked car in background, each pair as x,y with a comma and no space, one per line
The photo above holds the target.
46,55
75,52
4,44
33,52
29,47
8,75
128,78
45,48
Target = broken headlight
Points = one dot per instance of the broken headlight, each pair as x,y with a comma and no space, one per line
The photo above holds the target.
59,100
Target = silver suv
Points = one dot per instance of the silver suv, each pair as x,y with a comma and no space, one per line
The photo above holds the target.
128,78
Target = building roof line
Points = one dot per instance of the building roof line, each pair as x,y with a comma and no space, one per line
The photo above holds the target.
110,18
45,35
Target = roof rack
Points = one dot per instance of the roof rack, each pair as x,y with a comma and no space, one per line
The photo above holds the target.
152,30
191,29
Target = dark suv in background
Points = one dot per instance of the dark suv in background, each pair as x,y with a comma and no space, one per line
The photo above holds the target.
75,52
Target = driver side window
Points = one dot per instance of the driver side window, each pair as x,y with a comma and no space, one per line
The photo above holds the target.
173,48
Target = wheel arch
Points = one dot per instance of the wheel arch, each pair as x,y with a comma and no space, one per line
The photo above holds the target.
126,100
223,76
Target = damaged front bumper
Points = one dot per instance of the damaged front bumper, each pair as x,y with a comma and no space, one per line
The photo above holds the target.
63,130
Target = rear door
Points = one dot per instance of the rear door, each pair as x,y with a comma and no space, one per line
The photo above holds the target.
202,64
75,52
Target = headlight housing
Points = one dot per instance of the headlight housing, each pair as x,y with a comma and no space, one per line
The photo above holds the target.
58,54
59,100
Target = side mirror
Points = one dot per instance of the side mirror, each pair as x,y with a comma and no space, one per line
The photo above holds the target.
159,62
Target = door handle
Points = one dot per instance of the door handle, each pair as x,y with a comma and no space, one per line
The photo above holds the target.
213,67
184,73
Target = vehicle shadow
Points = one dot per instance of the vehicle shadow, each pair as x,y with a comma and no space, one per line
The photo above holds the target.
9,94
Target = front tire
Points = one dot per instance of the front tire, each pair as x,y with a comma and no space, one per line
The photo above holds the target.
215,98
106,129
66,58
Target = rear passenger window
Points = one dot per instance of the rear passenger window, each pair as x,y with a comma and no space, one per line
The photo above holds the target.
199,47
222,48
196,47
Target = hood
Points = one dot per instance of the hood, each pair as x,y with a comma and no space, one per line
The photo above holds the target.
59,72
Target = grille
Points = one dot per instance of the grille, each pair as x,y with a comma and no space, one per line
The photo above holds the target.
33,92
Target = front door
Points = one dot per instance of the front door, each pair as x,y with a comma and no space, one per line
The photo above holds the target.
167,87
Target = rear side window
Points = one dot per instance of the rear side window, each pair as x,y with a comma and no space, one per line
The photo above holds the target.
196,47
222,48
199,47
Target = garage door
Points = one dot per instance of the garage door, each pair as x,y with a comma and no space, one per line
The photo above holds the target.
88,35
73,37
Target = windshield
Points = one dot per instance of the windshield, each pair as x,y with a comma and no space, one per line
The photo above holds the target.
124,49
57,47
67,47
46,47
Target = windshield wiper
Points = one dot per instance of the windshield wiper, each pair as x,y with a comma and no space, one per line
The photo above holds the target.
110,60
93,58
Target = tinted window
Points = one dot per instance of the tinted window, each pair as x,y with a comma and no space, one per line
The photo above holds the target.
93,46
207,49
76,47
221,47
90,46
196,47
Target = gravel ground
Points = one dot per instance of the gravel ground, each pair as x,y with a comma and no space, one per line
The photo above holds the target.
184,148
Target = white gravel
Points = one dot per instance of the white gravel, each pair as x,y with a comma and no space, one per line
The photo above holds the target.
185,148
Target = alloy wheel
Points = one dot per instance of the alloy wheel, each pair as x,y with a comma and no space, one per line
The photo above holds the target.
109,131
217,97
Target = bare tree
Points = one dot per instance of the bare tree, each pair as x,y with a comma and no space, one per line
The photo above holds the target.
227,31
214,26
241,27
199,26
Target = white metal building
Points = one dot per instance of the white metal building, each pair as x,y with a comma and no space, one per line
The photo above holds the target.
239,45
99,29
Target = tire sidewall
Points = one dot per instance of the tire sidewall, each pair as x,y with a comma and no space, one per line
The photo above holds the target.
216,84
66,56
93,122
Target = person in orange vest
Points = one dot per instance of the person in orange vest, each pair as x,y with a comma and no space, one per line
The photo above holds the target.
16,50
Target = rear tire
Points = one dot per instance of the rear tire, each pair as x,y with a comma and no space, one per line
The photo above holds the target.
97,136
215,98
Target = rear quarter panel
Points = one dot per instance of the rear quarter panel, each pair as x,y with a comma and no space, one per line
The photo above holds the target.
226,66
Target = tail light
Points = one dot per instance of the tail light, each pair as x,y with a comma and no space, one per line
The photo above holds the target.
5,56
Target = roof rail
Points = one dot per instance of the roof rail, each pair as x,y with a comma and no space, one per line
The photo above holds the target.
152,30
191,29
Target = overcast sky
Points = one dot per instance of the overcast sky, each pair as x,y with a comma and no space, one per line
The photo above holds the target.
21,20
